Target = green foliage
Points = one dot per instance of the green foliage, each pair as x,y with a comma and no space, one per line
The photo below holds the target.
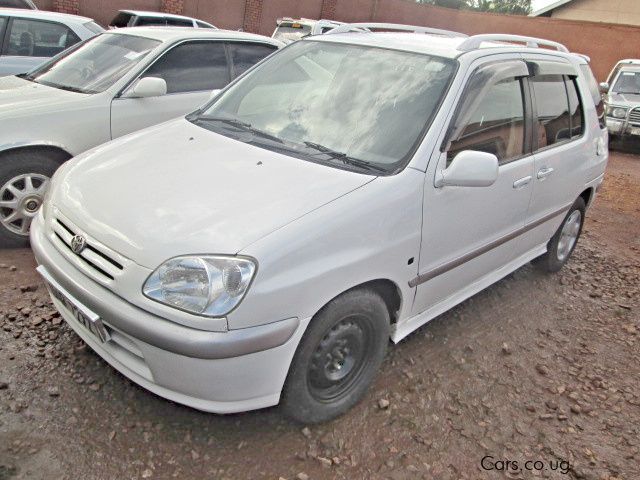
514,7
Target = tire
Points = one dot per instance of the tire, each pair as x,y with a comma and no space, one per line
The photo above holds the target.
337,358
558,250
16,197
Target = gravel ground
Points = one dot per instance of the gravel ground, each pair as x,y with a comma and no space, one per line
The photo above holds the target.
537,368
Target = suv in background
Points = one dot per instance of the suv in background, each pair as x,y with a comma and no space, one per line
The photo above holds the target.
344,192
28,4
138,18
29,37
622,99
289,30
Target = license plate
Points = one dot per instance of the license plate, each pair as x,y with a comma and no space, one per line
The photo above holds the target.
89,320
635,131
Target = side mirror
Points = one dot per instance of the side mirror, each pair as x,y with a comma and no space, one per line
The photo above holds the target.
214,94
148,87
604,87
470,169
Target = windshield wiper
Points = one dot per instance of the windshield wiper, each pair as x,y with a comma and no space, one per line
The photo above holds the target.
344,158
239,124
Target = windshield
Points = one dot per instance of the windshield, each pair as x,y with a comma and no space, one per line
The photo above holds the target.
627,82
95,65
290,32
346,105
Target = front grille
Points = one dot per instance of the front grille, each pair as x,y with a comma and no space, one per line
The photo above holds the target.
634,116
93,256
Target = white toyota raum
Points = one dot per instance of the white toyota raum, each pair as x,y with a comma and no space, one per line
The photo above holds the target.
344,192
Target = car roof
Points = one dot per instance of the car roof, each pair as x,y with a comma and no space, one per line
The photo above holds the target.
44,15
447,46
171,34
144,13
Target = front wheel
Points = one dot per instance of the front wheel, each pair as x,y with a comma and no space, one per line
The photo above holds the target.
337,358
24,179
564,241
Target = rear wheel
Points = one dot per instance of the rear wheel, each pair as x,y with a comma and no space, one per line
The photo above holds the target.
24,178
337,358
564,241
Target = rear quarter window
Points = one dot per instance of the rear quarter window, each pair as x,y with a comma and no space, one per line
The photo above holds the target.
594,91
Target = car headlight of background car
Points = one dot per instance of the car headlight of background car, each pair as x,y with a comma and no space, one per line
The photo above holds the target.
208,285
617,112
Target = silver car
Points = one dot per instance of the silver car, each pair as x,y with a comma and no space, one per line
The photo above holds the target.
29,37
622,99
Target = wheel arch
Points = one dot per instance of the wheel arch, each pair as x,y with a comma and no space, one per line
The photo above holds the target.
388,290
587,195
56,152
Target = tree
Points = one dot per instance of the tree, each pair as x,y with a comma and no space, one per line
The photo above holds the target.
514,7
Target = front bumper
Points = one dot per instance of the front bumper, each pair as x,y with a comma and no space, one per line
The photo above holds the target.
621,127
221,372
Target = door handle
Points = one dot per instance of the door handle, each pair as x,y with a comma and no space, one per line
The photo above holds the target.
544,172
522,182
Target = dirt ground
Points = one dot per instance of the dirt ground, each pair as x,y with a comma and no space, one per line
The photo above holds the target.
537,368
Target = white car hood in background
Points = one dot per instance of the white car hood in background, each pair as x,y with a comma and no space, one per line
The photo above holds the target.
19,97
178,189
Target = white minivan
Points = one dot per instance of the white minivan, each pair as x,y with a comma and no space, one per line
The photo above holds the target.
344,192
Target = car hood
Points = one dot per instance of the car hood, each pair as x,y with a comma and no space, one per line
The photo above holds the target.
624,99
177,189
19,97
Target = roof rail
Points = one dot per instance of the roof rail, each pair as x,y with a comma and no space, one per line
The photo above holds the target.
367,27
474,42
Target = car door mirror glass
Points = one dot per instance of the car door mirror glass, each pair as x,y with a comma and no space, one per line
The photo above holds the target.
147,87
470,168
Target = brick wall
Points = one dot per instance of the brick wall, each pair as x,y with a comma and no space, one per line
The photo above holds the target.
329,9
252,16
605,43
66,6
173,6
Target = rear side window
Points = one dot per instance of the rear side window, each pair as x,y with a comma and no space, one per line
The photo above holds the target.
192,67
575,109
150,21
594,90
34,38
179,22
121,20
560,113
246,55
494,123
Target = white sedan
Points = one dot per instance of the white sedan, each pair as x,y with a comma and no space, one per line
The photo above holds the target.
113,84
33,36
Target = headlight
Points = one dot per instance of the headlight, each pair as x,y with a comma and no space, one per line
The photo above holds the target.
207,285
617,112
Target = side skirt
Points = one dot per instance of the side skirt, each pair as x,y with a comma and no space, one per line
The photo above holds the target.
405,327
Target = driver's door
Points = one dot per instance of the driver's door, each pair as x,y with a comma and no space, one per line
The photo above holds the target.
471,233
192,71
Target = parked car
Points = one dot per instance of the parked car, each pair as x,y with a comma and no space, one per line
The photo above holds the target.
622,99
108,86
344,192
289,30
137,18
29,37
28,4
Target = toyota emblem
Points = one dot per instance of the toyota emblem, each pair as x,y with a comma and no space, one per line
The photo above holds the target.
78,243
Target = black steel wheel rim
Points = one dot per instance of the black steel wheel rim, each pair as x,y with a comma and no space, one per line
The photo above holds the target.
340,358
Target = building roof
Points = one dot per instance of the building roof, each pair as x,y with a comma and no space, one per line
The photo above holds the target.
548,8
170,34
